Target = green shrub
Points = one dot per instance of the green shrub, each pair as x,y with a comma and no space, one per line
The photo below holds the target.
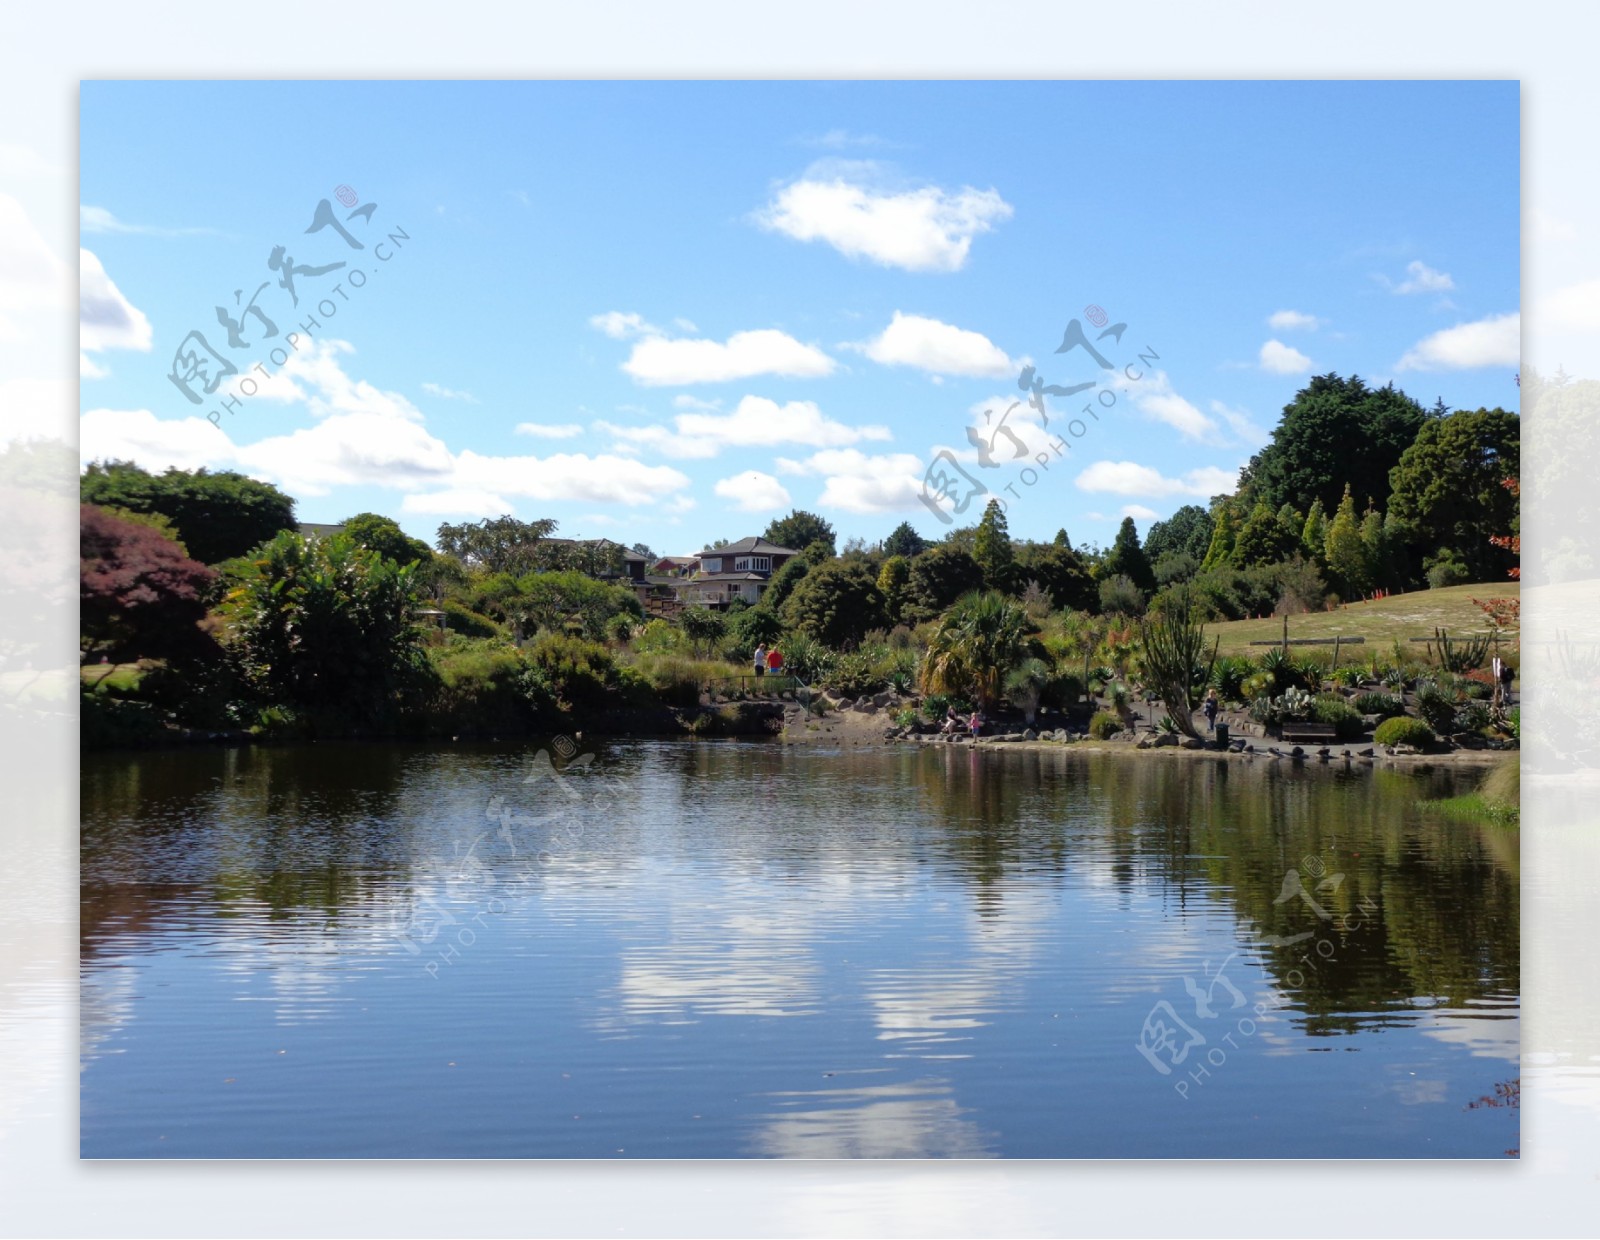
1436,704
1228,675
1514,721
578,670
1384,705
677,679
1332,709
1471,717
905,717
459,618
853,675
1104,724
1403,730
1255,685
660,636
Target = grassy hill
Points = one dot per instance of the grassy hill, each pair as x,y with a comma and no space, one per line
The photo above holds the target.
1381,622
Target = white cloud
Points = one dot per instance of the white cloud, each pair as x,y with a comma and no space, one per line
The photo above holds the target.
1245,428
546,430
1293,321
106,319
1421,278
756,423
1139,512
1154,396
601,479
620,326
99,220
1494,341
928,344
444,393
1577,307
658,361
1131,478
860,483
1281,359
37,409
32,277
456,503
315,377
753,492
155,443
22,162
350,449
924,229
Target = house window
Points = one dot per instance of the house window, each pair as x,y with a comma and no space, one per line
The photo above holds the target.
711,566
753,564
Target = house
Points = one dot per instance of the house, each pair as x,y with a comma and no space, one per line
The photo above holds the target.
316,529
673,566
738,570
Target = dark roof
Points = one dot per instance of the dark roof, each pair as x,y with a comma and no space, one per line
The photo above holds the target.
749,546
726,577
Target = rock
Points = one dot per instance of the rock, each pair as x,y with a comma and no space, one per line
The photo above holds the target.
1404,750
881,700
1030,735
1166,740
1192,742
1147,742
1366,753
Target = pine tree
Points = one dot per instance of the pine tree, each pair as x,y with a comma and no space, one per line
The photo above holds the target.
1223,534
1127,558
992,548
1290,526
1346,553
893,578
1314,534
1376,542
1062,540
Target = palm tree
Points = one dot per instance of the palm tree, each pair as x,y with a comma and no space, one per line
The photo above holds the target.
981,638
1025,686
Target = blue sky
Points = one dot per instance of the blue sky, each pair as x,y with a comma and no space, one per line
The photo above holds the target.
668,312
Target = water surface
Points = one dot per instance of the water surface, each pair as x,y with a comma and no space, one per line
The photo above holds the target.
741,949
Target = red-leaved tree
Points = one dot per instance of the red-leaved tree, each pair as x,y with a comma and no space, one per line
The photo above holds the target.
139,595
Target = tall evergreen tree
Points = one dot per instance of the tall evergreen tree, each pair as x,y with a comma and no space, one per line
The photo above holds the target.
1376,542
1345,552
1224,533
992,548
1127,558
903,540
1314,534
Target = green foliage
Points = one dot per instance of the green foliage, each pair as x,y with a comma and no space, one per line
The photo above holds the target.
1384,705
992,548
1119,596
1314,533
836,603
1281,667
1060,572
1025,684
975,645
806,657
799,530
752,627
660,636
1256,685
1265,538
1174,643
496,544
782,583
325,625
1459,654
384,535
1331,708
853,675
678,679
704,627
1336,430
482,687
1345,553
1437,702
459,618
904,541
1228,675
1224,533
1186,532
218,515
1448,488
1104,725
939,577
1292,705
894,581
1175,568
577,671
1404,730
1446,568
1127,558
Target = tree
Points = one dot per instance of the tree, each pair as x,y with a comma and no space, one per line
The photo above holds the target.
325,624
977,643
799,530
1267,537
939,576
1335,430
1060,572
1061,539
1375,542
558,600
1449,492
903,540
218,515
1344,551
782,583
1224,533
495,544
704,627
138,593
1185,532
1025,684
837,603
1314,533
992,548
1127,558
643,549
1175,660
893,579
384,535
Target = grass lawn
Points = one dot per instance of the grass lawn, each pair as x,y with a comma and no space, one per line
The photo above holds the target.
119,678
1381,622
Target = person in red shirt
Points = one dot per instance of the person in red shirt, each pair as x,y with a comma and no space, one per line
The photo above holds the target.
775,661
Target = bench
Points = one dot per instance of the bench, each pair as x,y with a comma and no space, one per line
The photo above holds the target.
1307,732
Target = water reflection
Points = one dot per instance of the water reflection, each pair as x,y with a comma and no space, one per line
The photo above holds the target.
997,919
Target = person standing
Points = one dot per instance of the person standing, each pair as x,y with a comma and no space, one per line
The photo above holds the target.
1210,709
761,660
775,661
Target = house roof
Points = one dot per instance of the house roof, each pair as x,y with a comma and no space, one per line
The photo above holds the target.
628,554
749,546
703,577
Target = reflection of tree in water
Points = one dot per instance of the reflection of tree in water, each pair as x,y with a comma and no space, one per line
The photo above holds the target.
1413,907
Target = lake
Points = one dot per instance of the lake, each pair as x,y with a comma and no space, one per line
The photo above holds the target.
683,949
